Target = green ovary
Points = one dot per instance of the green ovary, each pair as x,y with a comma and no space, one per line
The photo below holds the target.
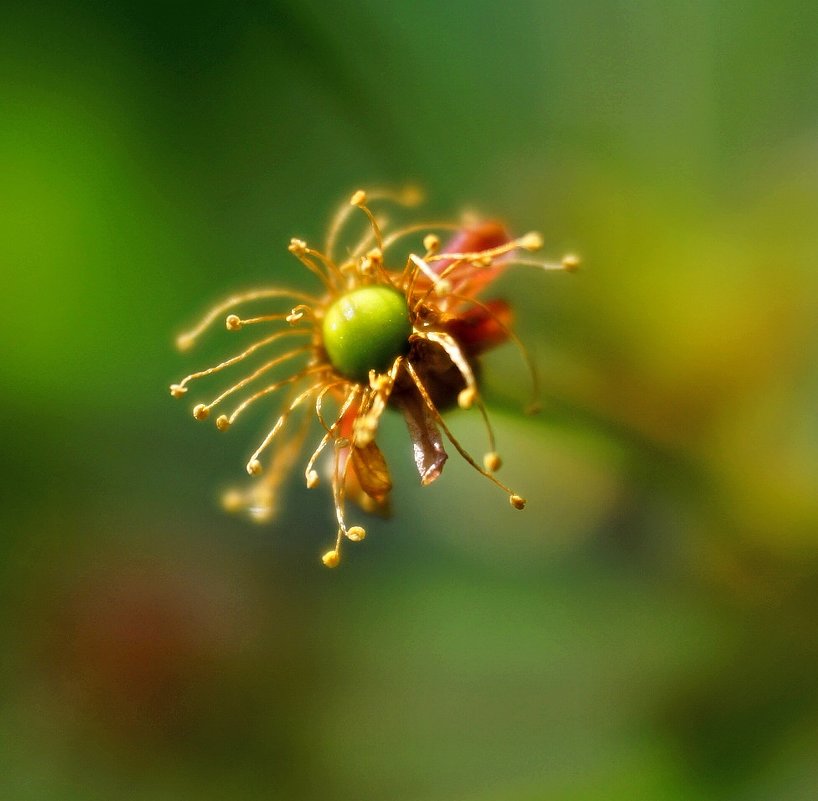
366,329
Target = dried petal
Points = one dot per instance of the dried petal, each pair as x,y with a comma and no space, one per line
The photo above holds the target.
372,472
427,444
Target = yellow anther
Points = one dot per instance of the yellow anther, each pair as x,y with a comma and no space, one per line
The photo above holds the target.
200,411
570,262
531,241
184,341
312,479
516,501
358,198
232,501
254,467
431,242
356,533
177,390
232,322
378,381
492,461
222,422
297,246
331,558
443,287
411,196
466,398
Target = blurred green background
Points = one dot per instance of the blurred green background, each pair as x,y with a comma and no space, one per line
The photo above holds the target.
645,630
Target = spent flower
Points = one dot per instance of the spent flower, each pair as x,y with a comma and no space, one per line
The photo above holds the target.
381,331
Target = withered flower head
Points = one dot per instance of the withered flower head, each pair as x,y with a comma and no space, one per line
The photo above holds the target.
381,331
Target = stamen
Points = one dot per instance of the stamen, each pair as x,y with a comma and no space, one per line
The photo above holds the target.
319,403
432,244
372,263
254,459
492,454
297,313
233,500
178,389
331,558
310,474
254,375
467,396
492,462
442,281
375,400
410,196
338,482
367,237
390,239
529,241
235,323
359,200
568,264
356,533
441,285
187,339
260,499
270,389
335,227
298,247
338,478
515,500
331,267
480,258
571,262
529,362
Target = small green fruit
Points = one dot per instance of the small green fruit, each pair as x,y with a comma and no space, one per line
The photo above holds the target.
366,329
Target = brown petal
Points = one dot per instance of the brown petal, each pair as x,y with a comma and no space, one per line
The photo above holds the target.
427,444
371,470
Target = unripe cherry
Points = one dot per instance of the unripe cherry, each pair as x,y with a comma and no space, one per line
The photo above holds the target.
366,329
